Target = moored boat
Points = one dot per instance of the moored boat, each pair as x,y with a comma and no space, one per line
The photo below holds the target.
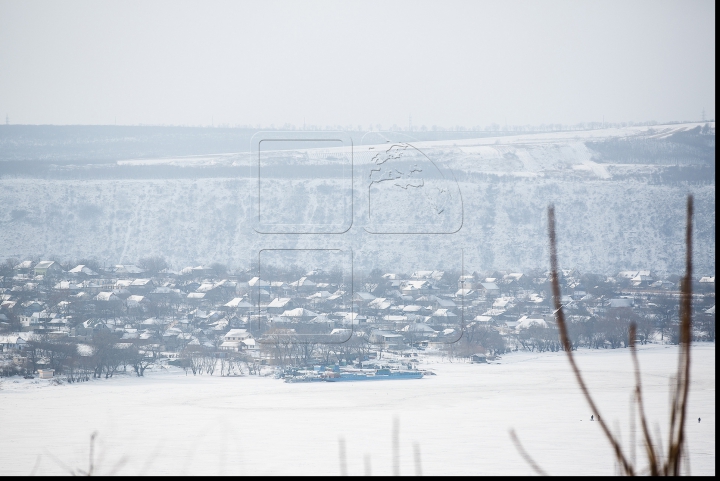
379,375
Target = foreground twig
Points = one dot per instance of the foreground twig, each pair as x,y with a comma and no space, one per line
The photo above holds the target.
418,459
649,448
343,457
528,459
565,340
678,411
396,447
679,405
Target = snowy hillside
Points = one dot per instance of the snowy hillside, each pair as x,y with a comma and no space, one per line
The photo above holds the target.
619,197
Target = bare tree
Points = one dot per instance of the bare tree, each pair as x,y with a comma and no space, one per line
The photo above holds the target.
231,364
209,362
219,270
106,357
153,265
193,359
645,327
141,359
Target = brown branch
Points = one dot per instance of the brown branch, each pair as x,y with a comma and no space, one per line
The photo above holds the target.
528,459
565,340
686,327
652,456
396,447
342,457
679,411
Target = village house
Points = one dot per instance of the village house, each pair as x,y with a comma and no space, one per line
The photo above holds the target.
141,286
239,304
389,338
415,287
279,305
362,298
82,270
303,285
127,269
24,267
137,302
237,335
12,342
489,289
237,340
478,358
107,297
44,268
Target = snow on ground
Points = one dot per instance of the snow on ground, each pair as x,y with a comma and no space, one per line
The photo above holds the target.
182,161
170,423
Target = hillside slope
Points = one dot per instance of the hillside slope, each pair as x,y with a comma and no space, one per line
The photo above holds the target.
619,196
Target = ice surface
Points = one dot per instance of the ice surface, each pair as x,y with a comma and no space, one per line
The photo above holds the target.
170,423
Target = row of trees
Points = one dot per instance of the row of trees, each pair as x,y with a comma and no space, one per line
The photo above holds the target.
289,348
103,356
596,332
202,360
611,330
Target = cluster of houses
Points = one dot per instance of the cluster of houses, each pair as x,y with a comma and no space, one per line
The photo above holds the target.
196,308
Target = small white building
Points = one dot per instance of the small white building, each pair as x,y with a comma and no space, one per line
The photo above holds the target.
238,340
236,335
12,342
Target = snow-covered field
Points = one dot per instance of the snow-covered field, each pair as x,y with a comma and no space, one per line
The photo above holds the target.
170,423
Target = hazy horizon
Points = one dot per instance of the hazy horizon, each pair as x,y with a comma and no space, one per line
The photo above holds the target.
356,64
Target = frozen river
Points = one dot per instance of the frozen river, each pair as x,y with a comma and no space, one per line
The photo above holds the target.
458,421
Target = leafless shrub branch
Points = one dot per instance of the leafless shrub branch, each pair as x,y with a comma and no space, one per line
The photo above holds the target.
565,340
681,388
396,447
528,459
343,457
679,405
418,464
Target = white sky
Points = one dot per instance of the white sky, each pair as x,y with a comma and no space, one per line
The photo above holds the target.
326,63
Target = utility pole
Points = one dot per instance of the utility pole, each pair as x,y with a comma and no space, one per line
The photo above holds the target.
703,114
